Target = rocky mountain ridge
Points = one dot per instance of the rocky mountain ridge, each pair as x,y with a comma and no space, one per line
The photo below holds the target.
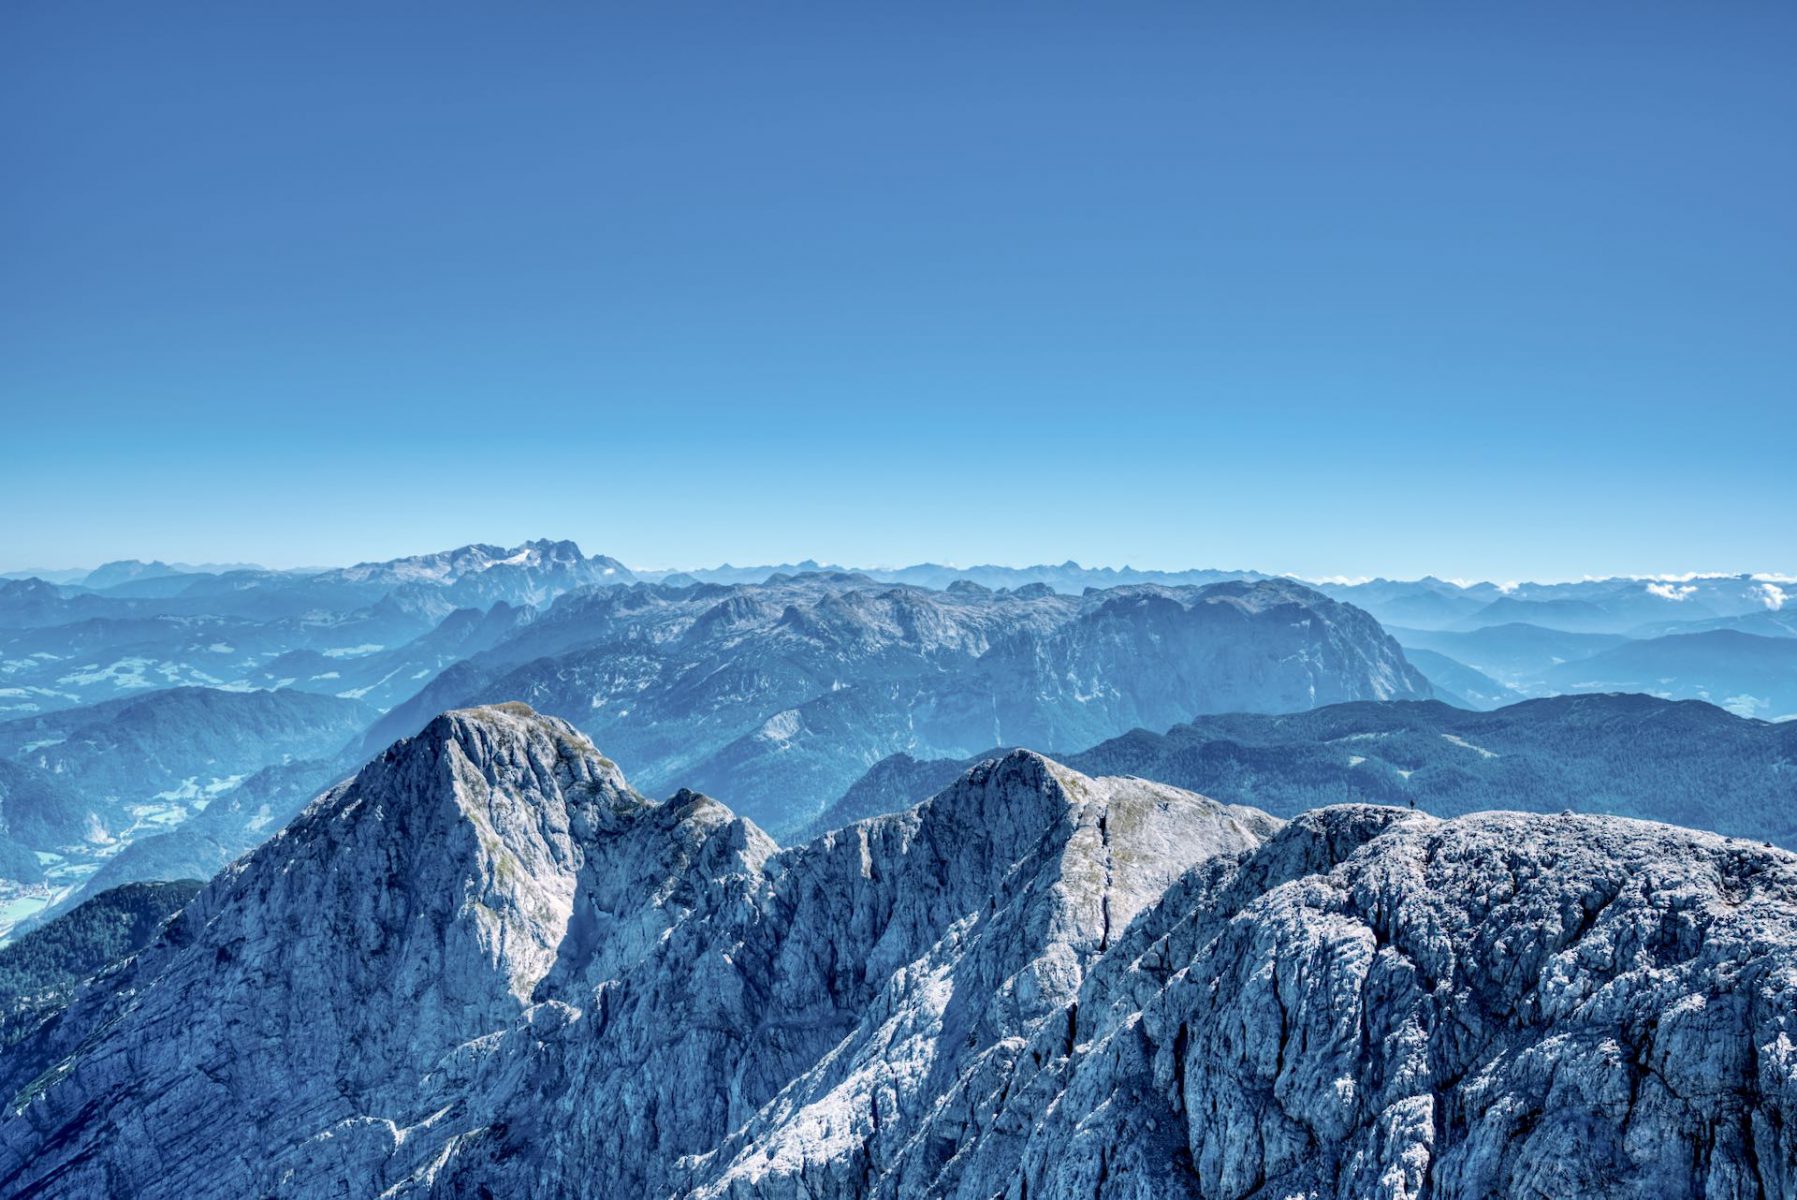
487,965
360,631
781,694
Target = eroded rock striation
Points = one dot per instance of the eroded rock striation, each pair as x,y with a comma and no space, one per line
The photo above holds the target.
487,966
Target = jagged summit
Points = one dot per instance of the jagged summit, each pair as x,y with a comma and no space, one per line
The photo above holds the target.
1003,807
489,734
496,870
544,558
486,965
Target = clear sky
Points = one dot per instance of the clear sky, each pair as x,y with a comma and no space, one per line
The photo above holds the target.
1485,290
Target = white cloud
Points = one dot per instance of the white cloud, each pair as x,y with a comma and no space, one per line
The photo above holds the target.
1773,596
1667,591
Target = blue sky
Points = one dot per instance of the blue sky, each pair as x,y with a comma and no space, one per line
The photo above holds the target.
1498,290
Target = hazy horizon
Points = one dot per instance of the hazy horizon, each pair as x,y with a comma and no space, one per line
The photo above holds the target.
1670,576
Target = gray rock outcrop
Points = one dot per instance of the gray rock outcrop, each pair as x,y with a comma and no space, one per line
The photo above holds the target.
486,966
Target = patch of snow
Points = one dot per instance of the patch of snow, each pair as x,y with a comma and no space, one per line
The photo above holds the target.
126,673
1457,740
358,693
781,727
192,791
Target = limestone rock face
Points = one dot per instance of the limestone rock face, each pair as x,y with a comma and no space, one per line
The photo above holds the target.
486,966
1383,1004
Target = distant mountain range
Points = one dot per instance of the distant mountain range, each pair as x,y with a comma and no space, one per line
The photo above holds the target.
176,747
1743,672
1631,605
380,632
1516,654
1069,577
778,686
487,966
374,631
1684,763
784,691
1457,683
124,570
1749,674
1622,604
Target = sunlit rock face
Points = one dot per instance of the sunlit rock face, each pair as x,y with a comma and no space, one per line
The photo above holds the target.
485,965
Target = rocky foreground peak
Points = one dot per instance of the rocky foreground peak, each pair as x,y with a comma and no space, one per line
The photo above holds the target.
495,753
486,966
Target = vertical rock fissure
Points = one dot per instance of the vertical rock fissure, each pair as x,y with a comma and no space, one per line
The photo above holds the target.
1104,897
